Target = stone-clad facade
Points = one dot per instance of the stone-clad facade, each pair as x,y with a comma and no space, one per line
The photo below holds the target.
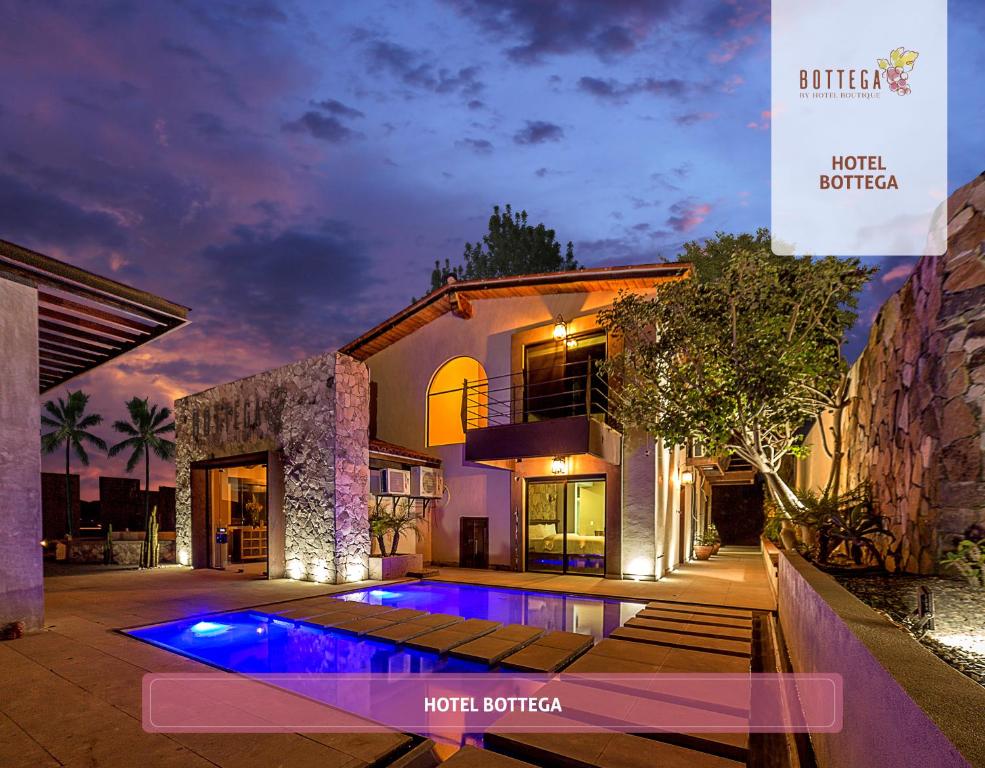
312,417
915,428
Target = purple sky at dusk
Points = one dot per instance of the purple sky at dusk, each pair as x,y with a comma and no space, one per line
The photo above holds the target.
292,170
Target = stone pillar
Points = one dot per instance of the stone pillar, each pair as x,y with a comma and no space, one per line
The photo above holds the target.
639,505
351,455
21,572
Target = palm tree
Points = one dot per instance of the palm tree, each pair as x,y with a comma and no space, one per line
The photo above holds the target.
70,424
144,433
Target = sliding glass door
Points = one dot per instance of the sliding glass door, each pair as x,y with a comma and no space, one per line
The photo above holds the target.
566,526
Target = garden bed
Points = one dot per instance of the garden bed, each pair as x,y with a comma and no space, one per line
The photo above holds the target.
958,636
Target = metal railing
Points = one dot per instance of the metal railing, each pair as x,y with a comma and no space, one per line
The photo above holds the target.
519,397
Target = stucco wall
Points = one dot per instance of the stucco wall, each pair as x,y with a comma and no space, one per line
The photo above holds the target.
313,416
21,577
403,371
903,707
915,429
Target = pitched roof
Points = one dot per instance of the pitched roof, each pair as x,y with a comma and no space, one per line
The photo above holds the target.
383,448
454,295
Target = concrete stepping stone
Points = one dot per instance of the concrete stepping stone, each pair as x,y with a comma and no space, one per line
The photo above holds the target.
550,652
691,660
332,620
472,757
600,750
361,625
696,618
363,609
678,640
423,573
492,648
305,611
637,653
408,630
688,628
714,610
443,640
591,662
405,614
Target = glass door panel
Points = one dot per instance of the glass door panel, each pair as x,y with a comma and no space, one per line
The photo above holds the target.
585,526
545,527
566,526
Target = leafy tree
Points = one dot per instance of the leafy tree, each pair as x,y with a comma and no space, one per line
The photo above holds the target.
144,435
740,357
70,424
512,246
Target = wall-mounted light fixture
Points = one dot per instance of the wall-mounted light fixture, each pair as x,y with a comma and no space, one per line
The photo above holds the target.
687,476
560,328
559,466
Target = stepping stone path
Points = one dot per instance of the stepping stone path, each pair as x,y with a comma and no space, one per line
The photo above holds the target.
549,653
443,640
492,648
408,630
471,757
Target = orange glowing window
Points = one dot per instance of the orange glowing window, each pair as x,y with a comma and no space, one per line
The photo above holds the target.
446,414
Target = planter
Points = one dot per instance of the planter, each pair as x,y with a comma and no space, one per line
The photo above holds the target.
383,568
703,551
716,547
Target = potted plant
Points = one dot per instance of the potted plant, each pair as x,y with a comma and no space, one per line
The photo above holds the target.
712,532
393,517
704,546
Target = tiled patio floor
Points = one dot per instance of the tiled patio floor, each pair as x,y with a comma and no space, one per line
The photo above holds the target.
72,692
734,577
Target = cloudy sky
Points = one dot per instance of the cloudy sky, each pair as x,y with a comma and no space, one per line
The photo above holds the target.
292,170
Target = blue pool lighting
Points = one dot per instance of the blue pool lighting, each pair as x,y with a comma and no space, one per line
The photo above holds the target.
208,629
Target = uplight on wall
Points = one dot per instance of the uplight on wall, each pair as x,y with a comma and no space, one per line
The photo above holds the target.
687,476
559,466
560,328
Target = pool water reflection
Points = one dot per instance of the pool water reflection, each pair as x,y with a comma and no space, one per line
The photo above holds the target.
548,610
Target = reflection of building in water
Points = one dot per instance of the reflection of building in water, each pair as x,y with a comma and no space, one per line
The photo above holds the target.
238,503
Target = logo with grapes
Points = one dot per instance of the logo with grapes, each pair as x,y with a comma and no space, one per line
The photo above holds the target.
897,69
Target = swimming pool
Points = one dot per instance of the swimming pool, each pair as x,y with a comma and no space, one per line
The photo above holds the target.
253,642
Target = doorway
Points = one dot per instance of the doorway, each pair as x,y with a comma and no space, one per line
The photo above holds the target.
566,525
233,495
473,542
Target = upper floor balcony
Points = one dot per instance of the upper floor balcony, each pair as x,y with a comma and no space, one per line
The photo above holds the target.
553,409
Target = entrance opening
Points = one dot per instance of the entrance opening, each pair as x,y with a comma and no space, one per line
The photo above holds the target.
566,526
236,516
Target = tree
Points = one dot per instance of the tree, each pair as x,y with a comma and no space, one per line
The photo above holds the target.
510,247
144,435
741,356
70,424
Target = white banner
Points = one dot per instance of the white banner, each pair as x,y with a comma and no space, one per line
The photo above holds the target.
859,127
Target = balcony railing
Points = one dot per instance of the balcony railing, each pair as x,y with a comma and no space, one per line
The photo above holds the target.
574,389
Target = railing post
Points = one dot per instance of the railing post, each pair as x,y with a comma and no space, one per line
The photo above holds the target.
588,389
465,405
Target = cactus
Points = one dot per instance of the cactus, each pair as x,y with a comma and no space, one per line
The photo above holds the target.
153,551
108,546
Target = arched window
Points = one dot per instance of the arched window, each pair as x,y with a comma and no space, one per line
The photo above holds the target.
444,401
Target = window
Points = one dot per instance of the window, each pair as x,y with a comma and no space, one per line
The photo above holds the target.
444,401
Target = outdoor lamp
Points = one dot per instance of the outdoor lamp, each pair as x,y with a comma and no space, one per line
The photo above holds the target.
687,476
560,328
559,466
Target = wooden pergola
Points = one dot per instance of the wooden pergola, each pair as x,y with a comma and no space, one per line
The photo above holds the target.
85,320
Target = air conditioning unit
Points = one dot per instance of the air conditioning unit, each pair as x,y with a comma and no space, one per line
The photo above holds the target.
428,482
395,482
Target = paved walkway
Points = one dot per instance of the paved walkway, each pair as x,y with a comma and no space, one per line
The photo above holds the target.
72,692
735,577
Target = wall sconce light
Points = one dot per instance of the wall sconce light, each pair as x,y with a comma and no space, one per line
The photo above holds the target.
559,466
687,476
560,328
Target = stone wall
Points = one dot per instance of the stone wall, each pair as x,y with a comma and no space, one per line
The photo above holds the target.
915,429
314,416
